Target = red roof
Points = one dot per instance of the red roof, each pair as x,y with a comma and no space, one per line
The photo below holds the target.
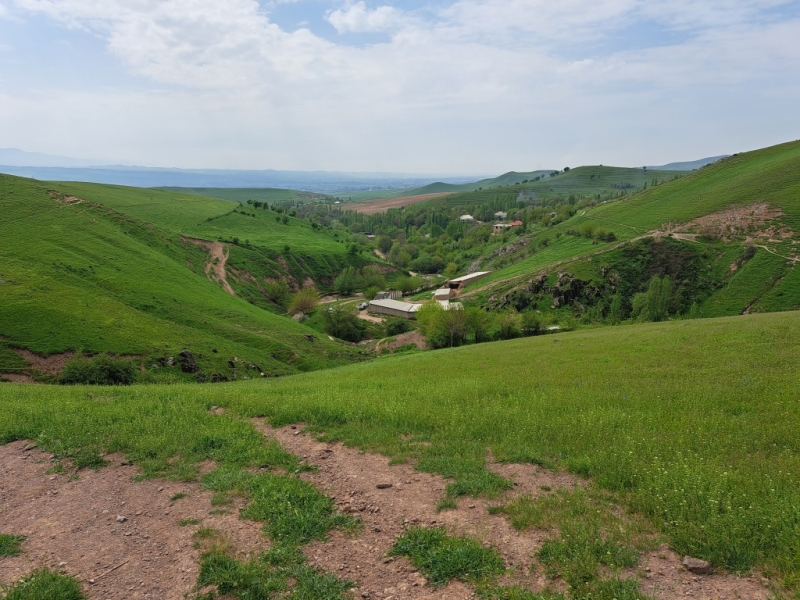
516,224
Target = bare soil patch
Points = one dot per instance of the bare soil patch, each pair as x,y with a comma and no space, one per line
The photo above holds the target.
351,477
47,365
215,267
372,207
73,524
738,221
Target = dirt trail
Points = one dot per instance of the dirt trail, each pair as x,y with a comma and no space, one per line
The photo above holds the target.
73,525
218,257
351,477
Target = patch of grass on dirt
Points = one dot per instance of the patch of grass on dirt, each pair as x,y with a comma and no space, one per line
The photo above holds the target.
294,511
178,496
591,538
517,593
441,557
282,570
186,522
10,545
44,584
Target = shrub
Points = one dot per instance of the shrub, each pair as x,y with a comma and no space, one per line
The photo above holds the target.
100,370
396,326
303,301
343,323
347,282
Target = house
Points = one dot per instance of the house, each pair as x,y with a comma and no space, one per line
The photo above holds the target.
500,215
515,224
460,282
499,228
394,308
466,219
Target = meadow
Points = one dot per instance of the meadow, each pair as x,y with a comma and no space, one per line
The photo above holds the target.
693,425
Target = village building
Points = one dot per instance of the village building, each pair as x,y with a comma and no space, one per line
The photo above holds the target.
500,228
442,294
390,295
500,215
394,308
460,282
466,219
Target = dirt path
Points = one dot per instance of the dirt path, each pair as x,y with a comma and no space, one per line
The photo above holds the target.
352,477
380,205
75,525
218,257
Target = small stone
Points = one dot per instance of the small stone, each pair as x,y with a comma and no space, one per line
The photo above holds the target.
696,565
383,486
91,581
62,564
472,506
121,519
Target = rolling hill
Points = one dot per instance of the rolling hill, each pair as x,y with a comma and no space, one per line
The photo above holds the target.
743,208
97,268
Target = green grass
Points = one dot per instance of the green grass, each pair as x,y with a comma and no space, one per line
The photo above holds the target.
187,522
591,536
86,278
441,557
44,584
770,175
277,196
10,545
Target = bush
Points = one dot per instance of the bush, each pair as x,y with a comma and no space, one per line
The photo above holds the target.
347,282
396,326
100,370
370,292
343,323
303,301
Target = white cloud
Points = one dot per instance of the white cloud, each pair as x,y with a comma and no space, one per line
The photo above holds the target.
545,77
357,18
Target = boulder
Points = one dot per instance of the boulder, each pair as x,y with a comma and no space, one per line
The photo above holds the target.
697,566
187,362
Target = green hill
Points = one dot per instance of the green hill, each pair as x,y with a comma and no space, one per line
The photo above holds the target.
278,196
111,269
510,178
702,229
692,425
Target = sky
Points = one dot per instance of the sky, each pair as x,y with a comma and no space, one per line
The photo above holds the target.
445,86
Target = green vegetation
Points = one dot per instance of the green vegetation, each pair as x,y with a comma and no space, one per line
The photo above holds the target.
10,545
441,557
276,196
83,276
702,441
590,538
44,584
282,571
100,370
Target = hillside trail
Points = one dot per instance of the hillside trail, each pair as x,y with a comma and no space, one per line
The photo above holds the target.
125,538
389,498
218,257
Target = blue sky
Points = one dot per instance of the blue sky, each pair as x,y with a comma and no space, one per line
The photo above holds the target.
448,86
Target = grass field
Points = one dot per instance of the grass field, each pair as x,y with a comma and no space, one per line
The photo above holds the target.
83,276
277,196
692,424
770,176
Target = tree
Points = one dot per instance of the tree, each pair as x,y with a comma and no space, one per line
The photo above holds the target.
407,284
478,323
347,282
303,301
531,323
508,325
617,312
277,292
343,323
373,277
653,305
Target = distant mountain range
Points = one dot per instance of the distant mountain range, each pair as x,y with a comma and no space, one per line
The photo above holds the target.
60,168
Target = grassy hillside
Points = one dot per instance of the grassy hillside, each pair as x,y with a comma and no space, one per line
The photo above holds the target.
768,179
703,440
581,181
79,274
272,195
510,178
258,235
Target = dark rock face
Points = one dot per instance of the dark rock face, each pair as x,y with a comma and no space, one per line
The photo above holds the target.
187,362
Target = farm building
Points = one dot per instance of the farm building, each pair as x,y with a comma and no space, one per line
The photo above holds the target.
442,294
390,295
466,219
460,282
394,308
500,215
515,224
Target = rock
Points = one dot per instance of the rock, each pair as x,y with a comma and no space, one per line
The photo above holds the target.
121,519
697,566
187,362
383,486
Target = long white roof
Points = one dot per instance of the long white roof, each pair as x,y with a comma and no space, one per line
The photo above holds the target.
470,277
396,304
